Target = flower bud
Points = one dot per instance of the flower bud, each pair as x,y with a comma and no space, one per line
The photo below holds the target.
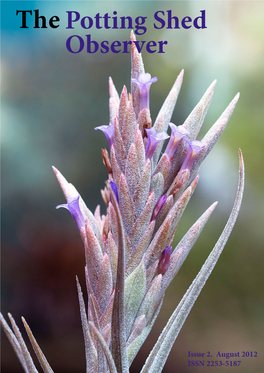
153,139
114,189
194,148
177,133
158,207
164,261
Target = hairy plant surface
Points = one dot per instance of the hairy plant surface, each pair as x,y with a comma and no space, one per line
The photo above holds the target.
129,257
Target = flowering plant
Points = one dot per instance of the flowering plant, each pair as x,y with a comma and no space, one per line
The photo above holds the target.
128,251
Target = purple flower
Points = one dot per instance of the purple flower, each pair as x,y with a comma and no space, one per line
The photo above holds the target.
114,189
177,133
194,148
158,207
73,205
164,260
144,82
153,139
109,133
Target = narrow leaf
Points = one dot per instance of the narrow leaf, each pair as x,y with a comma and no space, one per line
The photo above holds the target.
113,222
118,317
166,111
28,360
157,358
41,357
113,254
183,248
217,129
109,357
90,351
195,120
169,104
14,343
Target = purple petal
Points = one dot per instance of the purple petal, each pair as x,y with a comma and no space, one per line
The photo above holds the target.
153,139
144,82
194,148
109,133
65,206
164,261
177,133
114,189
74,207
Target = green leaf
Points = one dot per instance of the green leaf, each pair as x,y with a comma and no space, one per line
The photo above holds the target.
135,287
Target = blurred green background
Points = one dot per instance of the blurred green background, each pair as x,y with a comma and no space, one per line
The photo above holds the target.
52,100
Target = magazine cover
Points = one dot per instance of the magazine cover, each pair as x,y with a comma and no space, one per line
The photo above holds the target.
143,119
